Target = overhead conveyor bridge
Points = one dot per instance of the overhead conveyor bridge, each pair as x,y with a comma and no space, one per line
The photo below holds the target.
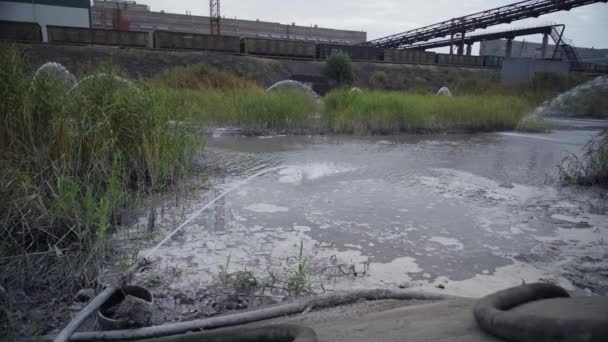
457,28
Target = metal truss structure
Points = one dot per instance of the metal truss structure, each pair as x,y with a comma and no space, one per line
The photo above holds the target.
215,17
462,25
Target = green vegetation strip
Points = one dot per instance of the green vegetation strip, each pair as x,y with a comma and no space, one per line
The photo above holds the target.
247,106
393,112
591,168
72,162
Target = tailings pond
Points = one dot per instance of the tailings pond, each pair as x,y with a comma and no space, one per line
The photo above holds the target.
456,214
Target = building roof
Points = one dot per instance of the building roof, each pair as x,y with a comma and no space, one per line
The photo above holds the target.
60,3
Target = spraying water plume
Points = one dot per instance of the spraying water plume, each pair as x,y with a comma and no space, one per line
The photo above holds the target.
117,79
444,91
587,99
55,72
291,84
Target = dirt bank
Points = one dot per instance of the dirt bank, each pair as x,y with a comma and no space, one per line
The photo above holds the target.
147,63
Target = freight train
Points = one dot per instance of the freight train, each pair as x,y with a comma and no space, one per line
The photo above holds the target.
20,31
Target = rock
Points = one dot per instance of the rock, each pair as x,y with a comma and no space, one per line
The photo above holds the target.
182,298
231,306
135,310
84,295
76,306
208,311
507,185
201,293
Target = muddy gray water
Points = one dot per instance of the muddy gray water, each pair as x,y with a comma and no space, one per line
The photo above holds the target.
474,213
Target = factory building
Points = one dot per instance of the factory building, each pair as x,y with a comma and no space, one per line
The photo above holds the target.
75,13
524,49
129,15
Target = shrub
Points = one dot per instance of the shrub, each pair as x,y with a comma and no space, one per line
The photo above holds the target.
378,80
338,67
589,169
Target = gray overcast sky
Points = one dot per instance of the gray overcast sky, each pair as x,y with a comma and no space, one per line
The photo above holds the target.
586,26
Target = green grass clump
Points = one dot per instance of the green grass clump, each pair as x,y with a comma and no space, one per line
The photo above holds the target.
589,169
71,162
249,109
393,112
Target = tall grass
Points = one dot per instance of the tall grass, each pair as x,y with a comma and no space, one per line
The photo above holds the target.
541,87
252,109
393,112
71,162
219,98
589,169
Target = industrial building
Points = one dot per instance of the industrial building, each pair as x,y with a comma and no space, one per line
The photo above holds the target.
524,49
129,15
75,13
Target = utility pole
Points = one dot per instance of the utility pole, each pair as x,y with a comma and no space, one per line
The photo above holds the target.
214,17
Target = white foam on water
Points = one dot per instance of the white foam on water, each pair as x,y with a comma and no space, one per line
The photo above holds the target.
448,242
504,277
460,184
382,275
567,218
581,236
271,136
296,174
266,208
535,136
301,229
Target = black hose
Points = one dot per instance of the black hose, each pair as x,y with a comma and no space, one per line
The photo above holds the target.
295,307
273,333
493,316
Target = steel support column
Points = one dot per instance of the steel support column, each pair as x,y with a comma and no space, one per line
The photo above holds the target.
545,46
461,44
509,49
451,43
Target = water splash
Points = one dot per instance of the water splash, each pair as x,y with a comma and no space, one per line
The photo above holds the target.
209,204
444,91
589,98
116,78
291,84
54,71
